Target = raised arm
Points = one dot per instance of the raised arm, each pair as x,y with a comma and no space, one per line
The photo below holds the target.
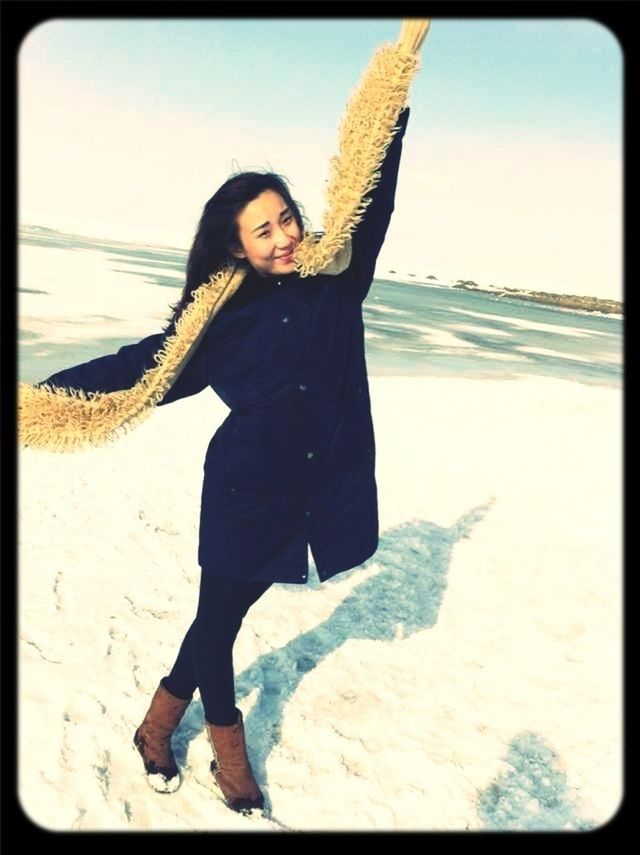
367,131
370,233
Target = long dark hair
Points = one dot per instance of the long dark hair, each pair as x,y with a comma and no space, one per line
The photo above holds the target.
217,230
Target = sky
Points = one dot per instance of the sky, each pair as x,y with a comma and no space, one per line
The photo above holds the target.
512,164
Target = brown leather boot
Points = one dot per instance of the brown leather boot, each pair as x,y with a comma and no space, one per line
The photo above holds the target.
231,768
153,740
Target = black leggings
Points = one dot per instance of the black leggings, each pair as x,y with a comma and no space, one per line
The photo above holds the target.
205,660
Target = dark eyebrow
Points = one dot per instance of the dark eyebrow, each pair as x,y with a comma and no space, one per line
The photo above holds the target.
257,228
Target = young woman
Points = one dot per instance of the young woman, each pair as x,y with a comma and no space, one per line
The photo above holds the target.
292,465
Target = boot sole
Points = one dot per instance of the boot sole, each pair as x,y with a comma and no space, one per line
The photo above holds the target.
242,806
157,781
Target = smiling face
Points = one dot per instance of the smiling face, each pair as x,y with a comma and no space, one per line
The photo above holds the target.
269,234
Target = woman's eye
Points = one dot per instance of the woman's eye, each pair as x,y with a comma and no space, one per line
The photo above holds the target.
286,220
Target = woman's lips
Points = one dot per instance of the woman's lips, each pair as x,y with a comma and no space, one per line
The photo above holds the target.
286,258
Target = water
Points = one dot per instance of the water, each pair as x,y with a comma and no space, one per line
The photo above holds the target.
435,330
82,297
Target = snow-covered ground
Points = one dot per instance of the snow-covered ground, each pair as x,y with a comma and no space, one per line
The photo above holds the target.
468,676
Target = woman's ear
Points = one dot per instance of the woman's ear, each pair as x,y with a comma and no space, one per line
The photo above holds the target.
237,251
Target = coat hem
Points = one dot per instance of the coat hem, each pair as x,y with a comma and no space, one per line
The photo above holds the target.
328,568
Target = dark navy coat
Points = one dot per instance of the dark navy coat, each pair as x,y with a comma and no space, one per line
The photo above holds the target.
294,461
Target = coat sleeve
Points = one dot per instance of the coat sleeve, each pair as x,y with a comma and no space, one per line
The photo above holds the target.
121,370
370,233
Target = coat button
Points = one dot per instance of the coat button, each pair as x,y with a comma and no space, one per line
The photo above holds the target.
302,387
307,513
309,454
285,320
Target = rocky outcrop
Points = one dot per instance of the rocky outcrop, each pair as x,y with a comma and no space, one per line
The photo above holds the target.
565,301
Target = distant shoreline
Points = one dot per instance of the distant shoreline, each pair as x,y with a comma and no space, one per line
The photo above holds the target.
566,301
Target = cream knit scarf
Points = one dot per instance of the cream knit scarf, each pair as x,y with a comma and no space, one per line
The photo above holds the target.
58,419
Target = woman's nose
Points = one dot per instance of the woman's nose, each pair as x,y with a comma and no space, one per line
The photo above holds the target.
281,237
